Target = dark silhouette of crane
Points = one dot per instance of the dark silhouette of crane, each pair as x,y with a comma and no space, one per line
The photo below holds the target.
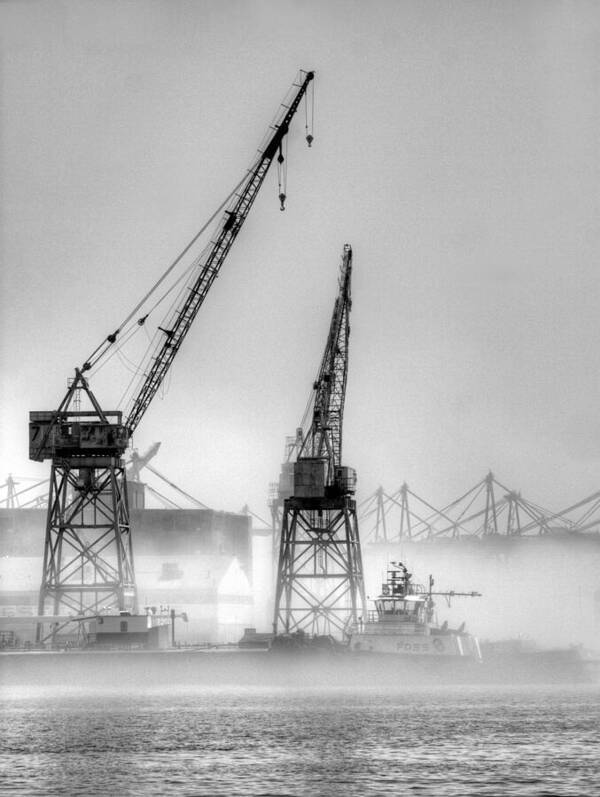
320,585
88,563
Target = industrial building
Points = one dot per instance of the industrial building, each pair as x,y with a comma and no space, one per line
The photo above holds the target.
195,561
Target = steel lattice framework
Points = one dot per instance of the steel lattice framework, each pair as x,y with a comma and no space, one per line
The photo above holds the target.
324,436
210,262
320,584
487,510
319,587
88,555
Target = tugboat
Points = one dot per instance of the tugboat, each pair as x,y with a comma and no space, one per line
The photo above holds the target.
403,625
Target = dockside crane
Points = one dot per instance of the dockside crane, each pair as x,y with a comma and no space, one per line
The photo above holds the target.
88,565
320,583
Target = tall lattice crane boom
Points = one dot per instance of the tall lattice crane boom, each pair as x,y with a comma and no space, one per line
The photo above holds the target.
324,438
320,584
88,555
231,223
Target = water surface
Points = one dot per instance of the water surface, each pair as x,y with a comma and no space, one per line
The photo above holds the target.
164,740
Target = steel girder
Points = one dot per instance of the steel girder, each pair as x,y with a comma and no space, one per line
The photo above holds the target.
320,583
88,558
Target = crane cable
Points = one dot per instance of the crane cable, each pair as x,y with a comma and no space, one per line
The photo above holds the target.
101,350
309,131
127,337
282,171
309,406
134,329
183,276
154,341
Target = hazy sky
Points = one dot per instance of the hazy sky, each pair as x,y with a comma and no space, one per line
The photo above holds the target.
456,149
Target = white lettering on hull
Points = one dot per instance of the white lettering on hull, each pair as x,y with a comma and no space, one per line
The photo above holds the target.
430,645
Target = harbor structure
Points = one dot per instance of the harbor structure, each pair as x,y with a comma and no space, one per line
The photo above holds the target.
320,583
88,559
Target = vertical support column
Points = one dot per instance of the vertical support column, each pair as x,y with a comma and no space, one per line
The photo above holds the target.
320,583
490,525
355,568
405,514
380,520
88,557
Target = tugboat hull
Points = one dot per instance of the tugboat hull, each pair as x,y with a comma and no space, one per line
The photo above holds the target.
421,646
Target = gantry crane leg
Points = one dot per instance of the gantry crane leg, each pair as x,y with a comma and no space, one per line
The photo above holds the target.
88,559
320,583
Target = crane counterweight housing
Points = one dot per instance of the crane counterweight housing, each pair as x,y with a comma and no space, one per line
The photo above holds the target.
88,555
309,479
75,434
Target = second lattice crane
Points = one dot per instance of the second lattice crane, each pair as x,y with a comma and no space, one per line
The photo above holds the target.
320,584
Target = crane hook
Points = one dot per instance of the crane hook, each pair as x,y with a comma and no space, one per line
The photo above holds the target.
282,198
309,139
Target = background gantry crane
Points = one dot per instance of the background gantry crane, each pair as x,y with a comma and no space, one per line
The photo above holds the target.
88,564
320,584
404,516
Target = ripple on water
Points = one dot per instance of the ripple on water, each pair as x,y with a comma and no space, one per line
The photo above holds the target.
160,741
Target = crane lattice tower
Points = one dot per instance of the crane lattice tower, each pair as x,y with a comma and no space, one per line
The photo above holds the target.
88,564
320,583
